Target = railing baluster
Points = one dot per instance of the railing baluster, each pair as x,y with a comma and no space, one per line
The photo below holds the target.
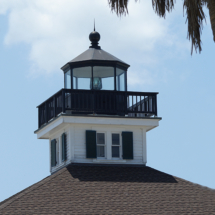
63,101
156,110
46,112
136,104
114,102
54,106
132,104
106,101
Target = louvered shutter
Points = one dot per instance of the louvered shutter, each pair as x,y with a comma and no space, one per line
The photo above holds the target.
64,147
53,153
127,144
91,151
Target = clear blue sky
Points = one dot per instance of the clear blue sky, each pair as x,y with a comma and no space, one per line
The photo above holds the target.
37,37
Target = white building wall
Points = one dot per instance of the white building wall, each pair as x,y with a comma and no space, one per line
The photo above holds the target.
75,128
76,144
57,136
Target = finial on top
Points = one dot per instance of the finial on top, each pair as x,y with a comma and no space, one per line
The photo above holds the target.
94,38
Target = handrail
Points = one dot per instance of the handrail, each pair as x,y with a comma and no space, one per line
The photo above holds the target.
129,103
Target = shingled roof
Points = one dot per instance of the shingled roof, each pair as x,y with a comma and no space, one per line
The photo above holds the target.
111,189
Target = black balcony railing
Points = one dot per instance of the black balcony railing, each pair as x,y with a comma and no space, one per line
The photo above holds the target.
134,104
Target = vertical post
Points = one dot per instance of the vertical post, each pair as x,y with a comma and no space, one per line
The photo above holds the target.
50,155
115,78
71,72
126,80
156,110
71,143
91,78
55,110
46,112
144,146
141,104
76,83
94,100
109,145
39,117
136,104
132,103
63,100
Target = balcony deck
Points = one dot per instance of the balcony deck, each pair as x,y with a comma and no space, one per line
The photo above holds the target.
129,103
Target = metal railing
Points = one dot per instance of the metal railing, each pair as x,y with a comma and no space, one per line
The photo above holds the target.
134,104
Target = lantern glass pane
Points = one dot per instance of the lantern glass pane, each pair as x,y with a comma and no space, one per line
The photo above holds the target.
103,78
82,77
120,80
67,80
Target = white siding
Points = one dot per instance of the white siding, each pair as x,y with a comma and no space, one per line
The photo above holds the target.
57,136
76,144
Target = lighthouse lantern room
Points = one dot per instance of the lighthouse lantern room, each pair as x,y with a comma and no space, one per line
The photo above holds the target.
94,118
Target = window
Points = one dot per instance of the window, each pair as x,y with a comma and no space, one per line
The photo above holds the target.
116,147
120,145
100,142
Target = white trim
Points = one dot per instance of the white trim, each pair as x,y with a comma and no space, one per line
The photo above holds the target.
63,121
50,165
72,142
108,161
144,146
57,151
109,145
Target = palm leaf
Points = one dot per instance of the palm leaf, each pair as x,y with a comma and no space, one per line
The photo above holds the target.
192,8
211,6
161,6
195,17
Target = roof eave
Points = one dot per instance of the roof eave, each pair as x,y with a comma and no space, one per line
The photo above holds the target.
77,63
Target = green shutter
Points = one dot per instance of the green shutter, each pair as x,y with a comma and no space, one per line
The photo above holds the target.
91,144
127,145
64,147
53,153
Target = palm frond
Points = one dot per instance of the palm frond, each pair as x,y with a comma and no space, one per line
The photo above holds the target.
211,7
161,6
119,6
195,17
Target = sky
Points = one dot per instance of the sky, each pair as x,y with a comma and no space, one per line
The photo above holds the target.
37,37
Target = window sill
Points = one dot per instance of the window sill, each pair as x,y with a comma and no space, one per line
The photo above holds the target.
108,161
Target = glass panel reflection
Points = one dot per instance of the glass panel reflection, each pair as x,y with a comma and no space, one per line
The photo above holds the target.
67,80
82,78
100,138
120,79
103,78
100,145
115,151
101,151
115,139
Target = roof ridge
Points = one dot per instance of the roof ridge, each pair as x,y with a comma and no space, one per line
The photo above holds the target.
194,184
30,188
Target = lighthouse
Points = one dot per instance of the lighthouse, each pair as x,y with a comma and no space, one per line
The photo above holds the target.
97,131
95,118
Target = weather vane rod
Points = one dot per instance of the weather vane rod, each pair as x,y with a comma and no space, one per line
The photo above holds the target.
94,25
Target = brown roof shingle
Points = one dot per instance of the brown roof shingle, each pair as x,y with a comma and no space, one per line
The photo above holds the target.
111,189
